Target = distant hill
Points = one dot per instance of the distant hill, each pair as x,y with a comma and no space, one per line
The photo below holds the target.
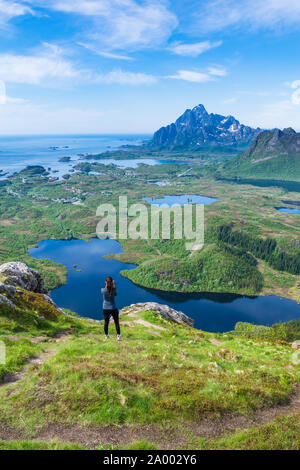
197,128
272,155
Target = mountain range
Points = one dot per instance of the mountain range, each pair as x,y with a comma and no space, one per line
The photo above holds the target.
196,128
273,154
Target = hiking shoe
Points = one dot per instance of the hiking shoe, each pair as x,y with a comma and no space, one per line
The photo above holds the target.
107,336
119,337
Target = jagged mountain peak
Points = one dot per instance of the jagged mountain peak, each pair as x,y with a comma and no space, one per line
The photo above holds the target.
196,127
200,108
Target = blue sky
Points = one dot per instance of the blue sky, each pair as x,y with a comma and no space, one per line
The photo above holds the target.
130,66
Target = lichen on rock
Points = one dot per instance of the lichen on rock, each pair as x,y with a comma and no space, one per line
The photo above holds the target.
20,275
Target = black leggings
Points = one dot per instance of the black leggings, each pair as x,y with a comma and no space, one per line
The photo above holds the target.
115,314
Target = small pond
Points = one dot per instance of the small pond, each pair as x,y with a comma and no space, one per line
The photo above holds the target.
288,210
181,200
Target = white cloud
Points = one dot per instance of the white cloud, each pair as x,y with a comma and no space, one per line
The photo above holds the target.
106,54
10,9
217,71
125,78
283,113
190,76
193,50
35,69
120,24
49,67
216,15
294,84
199,77
296,97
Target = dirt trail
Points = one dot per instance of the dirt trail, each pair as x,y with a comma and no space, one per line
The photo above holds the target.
10,378
151,327
165,437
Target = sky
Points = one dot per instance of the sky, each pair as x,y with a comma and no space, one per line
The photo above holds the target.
131,66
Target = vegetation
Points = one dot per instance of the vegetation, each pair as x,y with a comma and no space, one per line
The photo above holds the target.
38,445
281,434
162,375
36,209
265,249
215,268
28,326
286,331
272,155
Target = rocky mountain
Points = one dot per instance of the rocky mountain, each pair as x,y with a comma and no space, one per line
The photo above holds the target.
273,154
196,127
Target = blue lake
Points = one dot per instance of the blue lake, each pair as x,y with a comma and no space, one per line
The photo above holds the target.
181,200
288,210
211,312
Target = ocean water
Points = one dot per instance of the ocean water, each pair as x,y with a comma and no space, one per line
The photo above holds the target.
16,152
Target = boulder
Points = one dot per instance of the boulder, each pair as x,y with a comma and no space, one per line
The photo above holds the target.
7,289
20,275
163,310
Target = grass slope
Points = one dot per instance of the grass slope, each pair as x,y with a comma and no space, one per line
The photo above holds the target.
272,155
162,376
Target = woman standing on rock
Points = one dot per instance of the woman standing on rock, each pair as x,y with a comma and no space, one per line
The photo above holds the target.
109,293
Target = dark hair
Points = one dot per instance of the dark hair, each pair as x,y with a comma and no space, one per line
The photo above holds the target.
109,284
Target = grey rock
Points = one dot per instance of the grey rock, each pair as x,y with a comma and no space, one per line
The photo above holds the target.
48,299
19,274
7,289
6,301
196,127
164,310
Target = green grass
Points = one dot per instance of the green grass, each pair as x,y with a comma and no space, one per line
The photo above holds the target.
38,445
148,379
32,317
140,445
281,434
159,375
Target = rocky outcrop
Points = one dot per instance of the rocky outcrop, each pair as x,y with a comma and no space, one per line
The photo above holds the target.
164,310
274,144
20,275
197,127
273,154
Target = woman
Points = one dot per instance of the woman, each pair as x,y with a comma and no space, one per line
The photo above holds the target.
109,293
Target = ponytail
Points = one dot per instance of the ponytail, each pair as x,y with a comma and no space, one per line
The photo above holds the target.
109,285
